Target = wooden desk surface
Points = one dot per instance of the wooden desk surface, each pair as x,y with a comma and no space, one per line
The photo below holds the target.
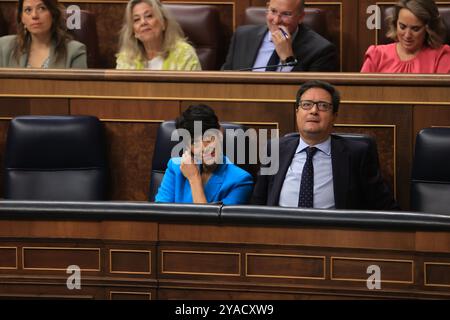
138,250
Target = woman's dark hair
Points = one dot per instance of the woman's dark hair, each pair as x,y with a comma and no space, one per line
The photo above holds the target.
335,96
197,112
427,12
58,30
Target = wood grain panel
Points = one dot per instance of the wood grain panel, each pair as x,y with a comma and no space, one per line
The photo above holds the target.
355,269
284,266
430,116
204,261
58,258
441,242
437,274
138,110
317,236
13,107
111,230
8,258
392,132
130,177
119,295
51,106
254,115
130,261
132,230
8,11
200,263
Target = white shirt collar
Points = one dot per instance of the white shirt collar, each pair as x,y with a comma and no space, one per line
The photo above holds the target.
325,146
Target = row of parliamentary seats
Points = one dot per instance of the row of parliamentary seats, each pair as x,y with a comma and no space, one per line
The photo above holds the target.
203,29
63,158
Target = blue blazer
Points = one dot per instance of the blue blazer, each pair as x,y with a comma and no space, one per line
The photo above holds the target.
228,184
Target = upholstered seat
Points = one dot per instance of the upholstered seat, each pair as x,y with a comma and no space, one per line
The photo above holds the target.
314,18
3,26
88,35
55,158
351,136
201,25
430,178
444,12
164,146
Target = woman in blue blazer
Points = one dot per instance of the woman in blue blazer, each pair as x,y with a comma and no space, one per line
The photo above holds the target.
203,174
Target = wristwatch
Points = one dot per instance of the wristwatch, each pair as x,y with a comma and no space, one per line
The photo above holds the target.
291,60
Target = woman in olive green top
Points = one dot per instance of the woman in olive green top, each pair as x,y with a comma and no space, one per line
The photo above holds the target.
41,40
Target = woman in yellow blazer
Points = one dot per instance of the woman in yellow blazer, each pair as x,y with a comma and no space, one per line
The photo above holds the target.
152,39
41,40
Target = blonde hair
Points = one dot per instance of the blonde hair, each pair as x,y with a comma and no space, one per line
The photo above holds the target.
427,12
132,48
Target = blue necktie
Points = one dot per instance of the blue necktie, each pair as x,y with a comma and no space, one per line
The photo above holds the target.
306,197
273,61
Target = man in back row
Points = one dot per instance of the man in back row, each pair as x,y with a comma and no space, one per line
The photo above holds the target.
320,170
284,40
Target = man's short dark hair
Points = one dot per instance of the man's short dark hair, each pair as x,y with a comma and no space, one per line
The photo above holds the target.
197,112
335,96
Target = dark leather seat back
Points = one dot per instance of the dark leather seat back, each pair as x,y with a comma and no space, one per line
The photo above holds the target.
351,136
55,158
444,12
88,35
201,25
3,26
314,18
164,146
430,178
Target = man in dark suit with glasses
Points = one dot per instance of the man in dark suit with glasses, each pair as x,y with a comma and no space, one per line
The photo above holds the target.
283,44
319,170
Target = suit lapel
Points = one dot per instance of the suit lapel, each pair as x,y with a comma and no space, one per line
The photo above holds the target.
287,151
23,60
214,183
340,160
297,47
51,58
253,47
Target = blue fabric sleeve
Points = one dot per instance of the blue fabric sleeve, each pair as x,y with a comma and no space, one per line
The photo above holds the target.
241,190
166,191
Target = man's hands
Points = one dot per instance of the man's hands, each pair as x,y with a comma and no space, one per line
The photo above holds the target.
283,42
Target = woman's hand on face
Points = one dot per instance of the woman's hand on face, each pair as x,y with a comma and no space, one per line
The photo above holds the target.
188,167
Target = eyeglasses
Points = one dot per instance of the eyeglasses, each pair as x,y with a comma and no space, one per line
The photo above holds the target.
283,15
309,104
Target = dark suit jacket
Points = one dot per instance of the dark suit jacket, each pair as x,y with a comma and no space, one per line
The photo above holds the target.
313,52
357,180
